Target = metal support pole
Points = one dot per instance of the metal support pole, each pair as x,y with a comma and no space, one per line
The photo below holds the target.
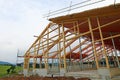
94,62
81,61
78,30
69,67
70,55
101,50
113,59
115,3
52,62
116,55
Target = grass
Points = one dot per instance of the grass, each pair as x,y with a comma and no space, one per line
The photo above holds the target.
3,70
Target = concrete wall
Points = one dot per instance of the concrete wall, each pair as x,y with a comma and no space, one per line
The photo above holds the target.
100,74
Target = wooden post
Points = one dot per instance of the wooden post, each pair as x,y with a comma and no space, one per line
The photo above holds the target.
64,49
59,47
26,62
103,45
34,58
78,30
74,27
46,54
43,52
38,52
92,36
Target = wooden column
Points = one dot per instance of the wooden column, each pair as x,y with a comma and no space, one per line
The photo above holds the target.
64,49
34,58
103,45
38,53
77,24
46,54
59,47
43,58
74,25
94,48
26,62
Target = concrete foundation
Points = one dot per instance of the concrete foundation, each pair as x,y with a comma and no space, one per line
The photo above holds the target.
100,74
92,74
39,72
34,72
104,73
25,72
62,72
42,72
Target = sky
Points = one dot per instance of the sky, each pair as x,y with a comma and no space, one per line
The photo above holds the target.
20,20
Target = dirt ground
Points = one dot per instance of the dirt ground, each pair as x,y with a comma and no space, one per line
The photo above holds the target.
41,78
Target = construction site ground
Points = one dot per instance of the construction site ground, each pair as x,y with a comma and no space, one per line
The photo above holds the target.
20,77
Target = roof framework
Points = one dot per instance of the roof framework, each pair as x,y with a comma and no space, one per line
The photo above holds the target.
85,37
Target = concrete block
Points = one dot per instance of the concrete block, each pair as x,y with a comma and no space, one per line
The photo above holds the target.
25,72
34,72
104,73
62,72
42,72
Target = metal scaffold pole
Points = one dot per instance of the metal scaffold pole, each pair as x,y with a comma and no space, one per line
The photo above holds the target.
116,55
80,49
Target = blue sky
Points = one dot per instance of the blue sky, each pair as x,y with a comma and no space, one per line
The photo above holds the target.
21,19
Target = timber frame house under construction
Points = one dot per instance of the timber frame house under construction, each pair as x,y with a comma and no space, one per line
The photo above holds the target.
88,41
